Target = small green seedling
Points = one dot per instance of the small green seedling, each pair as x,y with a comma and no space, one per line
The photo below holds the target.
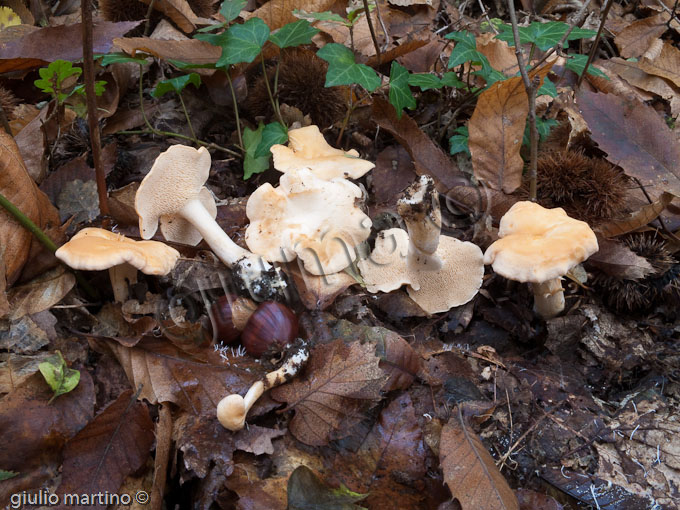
6,475
58,376
59,79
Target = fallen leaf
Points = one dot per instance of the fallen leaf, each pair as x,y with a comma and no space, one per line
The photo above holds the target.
191,51
277,13
112,446
636,37
393,172
318,292
531,500
666,64
257,440
427,157
341,381
470,470
636,220
79,200
179,11
19,188
306,490
501,56
23,336
619,261
16,368
635,138
496,129
41,293
398,52
204,443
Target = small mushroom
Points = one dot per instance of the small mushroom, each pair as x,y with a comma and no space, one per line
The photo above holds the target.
95,249
307,148
441,271
539,246
173,191
307,217
232,409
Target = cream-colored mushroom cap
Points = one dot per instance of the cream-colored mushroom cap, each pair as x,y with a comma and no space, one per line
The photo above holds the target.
95,249
538,244
307,148
307,217
176,177
178,230
456,283
231,412
385,269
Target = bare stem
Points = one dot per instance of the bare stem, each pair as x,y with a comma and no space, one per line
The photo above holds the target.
275,104
149,11
591,55
238,121
372,29
186,114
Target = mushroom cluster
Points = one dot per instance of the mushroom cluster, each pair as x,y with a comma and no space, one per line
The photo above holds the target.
441,272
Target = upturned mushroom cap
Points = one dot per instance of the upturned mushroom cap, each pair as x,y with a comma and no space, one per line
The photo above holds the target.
386,269
538,244
307,148
231,412
95,249
178,230
176,177
307,217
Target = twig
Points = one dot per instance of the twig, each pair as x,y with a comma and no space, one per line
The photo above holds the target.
275,104
149,11
382,24
238,121
370,27
5,122
163,448
186,114
91,101
659,218
591,55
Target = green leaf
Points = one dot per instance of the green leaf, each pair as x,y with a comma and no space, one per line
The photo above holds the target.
187,66
459,141
273,133
119,58
543,35
306,491
547,89
400,93
58,376
465,50
343,70
294,34
242,43
52,78
99,88
176,84
321,16
577,62
450,79
230,9
543,126
251,163
6,475
425,81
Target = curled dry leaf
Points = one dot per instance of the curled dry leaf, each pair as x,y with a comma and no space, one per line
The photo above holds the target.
112,446
178,11
636,220
635,38
318,292
666,64
616,259
470,470
341,381
277,13
191,51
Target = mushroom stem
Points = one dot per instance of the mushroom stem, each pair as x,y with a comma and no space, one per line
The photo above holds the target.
420,210
121,276
548,298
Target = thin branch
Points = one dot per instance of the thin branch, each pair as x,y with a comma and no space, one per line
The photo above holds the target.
591,55
372,29
147,26
238,120
91,101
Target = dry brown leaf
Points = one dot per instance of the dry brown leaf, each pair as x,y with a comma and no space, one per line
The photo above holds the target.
636,220
635,137
257,440
277,13
4,304
427,157
403,49
40,294
318,292
19,188
393,172
16,368
470,471
341,381
496,130
499,54
191,51
615,84
112,446
178,11
666,64
617,260
635,39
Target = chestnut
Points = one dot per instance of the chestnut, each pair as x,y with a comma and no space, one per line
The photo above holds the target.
229,315
270,328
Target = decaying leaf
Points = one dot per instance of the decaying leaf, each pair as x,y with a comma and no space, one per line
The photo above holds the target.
277,13
666,64
306,490
257,440
636,220
179,11
318,292
204,443
470,470
618,260
41,293
635,39
191,51
340,382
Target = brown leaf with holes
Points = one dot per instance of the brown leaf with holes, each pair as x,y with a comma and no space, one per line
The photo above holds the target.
318,292
470,471
666,64
179,11
616,259
19,188
341,382
427,156
496,130
640,218
635,137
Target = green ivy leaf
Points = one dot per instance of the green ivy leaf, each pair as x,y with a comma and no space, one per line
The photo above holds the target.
343,70
465,49
400,93
305,490
577,62
242,43
543,126
99,88
176,84
6,475
425,81
543,35
251,163
321,16
187,66
230,9
58,376
273,133
294,34
450,79
547,89
459,141
119,58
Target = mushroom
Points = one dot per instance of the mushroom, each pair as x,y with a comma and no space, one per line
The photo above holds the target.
441,271
232,409
173,191
539,246
307,148
310,218
95,249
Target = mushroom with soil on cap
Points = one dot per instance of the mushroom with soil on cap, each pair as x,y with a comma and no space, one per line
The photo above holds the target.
96,249
539,246
307,148
173,193
441,271
316,220
233,409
